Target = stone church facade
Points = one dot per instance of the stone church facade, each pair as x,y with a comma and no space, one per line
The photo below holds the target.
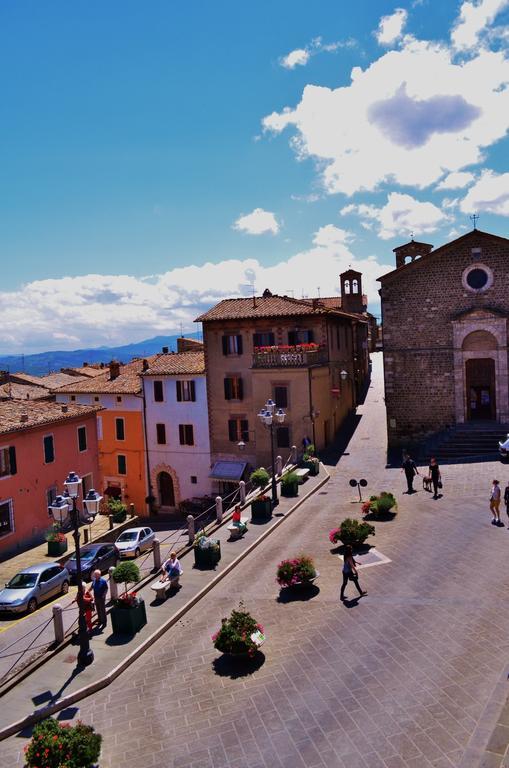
445,319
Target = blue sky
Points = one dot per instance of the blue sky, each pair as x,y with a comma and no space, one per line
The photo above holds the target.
159,156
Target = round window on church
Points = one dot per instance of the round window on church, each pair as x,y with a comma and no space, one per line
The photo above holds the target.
477,278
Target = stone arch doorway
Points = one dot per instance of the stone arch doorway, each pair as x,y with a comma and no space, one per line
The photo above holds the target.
165,489
480,382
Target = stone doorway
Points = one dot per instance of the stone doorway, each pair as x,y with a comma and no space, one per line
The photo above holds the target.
480,386
166,490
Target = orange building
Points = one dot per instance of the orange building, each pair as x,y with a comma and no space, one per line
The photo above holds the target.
120,426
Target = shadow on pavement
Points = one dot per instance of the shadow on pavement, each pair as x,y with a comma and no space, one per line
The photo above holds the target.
298,594
235,667
331,455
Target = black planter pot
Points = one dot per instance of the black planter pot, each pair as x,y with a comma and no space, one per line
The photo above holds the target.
56,548
261,509
290,489
313,466
127,621
207,558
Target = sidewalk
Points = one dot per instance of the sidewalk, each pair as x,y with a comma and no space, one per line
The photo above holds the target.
58,683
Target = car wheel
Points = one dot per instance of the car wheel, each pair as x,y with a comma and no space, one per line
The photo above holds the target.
137,552
65,587
32,605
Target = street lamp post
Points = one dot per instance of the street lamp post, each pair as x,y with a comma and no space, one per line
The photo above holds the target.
60,509
268,416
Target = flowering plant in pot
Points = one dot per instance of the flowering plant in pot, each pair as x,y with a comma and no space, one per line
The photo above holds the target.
311,461
60,745
351,532
57,541
207,551
239,634
290,484
118,510
297,571
128,614
261,507
380,505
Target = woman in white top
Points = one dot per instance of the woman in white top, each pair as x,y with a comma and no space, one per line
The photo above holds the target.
495,503
171,568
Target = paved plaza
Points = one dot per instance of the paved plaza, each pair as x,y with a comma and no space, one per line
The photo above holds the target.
413,675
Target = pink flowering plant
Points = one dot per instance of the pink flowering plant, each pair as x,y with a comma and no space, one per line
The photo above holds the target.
380,505
239,633
298,570
351,532
60,745
55,533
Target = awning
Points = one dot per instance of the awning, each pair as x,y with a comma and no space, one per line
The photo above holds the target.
229,471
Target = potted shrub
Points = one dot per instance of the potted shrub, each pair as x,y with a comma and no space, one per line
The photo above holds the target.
290,484
54,745
207,551
57,541
239,634
310,461
300,571
118,510
351,532
128,614
380,506
261,507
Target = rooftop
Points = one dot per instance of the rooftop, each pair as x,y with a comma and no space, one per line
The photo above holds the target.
177,364
91,371
269,306
18,415
128,381
14,391
50,381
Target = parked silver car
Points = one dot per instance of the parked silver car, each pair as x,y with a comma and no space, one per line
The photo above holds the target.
134,541
32,586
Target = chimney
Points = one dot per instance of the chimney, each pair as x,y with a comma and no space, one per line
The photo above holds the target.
114,370
413,250
351,291
23,418
4,377
316,303
165,350
188,345
64,409
85,365
144,365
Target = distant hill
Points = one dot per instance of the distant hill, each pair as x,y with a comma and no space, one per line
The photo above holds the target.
43,363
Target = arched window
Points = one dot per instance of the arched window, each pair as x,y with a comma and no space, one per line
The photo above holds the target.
346,286
355,286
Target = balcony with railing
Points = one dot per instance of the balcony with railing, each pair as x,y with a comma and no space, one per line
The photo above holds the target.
298,356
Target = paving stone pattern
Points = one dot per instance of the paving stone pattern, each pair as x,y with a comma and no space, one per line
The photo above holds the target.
403,678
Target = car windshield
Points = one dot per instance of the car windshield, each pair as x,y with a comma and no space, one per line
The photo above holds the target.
128,536
85,555
22,581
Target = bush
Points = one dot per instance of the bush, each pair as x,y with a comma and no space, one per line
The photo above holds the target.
351,532
296,571
260,478
309,453
289,479
117,509
126,573
56,745
234,635
55,533
380,505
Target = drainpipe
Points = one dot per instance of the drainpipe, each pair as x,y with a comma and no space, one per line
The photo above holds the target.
147,460
311,409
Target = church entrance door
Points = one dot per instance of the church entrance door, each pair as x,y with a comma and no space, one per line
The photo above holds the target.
166,492
480,380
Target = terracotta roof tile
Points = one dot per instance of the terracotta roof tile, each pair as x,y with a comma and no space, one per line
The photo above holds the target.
265,306
50,381
14,391
18,415
178,364
128,382
91,371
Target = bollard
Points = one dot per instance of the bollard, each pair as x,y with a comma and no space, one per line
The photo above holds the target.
190,528
219,509
242,489
293,455
131,510
86,535
58,623
113,585
279,466
157,554
110,520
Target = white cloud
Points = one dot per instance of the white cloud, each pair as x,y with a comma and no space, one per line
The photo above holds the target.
456,180
412,116
300,56
391,27
473,20
258,222
490,194
115,309
400,216
297,58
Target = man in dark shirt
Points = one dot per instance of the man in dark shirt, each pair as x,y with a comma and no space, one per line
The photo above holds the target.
100,587
410,470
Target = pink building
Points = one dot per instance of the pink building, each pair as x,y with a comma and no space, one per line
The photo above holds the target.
40,442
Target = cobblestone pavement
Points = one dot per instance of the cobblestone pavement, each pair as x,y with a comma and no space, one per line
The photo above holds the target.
411,676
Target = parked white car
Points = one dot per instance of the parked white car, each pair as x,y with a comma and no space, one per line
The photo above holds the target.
134,541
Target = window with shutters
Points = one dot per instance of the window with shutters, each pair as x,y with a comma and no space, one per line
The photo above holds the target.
49,449
283,437
265,339
121,464
6,517
238,429
186,391
120,429
281,396
161,434
300,336
186,434
232,344
158,392
82,439
7,461
233,388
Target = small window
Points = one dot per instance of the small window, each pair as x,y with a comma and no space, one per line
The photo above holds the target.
194,479
73,398
158,392
120,429
186,434
283,437
233,388
238,429
232,344
121,464
161,434
119,399
49,449
6,518
477,279
82,439
186,391
96,398
8,461
281,396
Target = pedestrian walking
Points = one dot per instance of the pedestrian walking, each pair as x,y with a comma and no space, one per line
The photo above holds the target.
410,469
435,476
506,499
100,588
495,503
350,572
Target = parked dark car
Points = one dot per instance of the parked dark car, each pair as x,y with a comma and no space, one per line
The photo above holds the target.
98,556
